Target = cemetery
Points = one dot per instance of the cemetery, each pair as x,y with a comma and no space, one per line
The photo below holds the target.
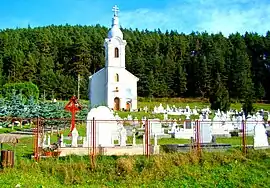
117,139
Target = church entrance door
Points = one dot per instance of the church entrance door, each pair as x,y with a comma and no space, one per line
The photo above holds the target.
116,103
128,105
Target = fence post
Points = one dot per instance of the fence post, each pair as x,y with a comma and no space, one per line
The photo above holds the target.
147,139
198,143
93,142
36,140
244,144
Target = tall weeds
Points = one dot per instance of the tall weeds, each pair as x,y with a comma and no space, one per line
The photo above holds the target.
138,170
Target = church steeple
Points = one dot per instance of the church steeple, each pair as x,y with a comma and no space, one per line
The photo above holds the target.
115,29
115,44
115,19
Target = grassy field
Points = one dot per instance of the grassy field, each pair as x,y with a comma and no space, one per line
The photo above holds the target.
229,169
219,169
192,103
224,169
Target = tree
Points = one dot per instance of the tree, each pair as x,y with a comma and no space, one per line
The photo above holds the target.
219,97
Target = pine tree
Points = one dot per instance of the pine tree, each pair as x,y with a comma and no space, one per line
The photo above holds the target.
219,97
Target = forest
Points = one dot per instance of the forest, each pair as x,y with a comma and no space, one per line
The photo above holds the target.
169,64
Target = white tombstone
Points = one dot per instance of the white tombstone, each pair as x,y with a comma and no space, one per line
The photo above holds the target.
123,136
44,144
165,116
260,137
74,138
134,139
155,140
160,108
105,127
205,132
49,140
155,127
200,117
62,144
155,110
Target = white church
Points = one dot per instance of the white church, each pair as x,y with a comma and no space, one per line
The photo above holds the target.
114,86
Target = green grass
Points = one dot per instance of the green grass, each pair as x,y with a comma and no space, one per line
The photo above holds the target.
224,169
192,103
229,169
10,130
216,169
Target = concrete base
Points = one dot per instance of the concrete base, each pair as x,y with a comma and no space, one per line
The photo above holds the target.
222,135
263,147
188,147
116,150
183,134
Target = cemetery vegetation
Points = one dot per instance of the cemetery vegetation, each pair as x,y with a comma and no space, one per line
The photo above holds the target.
169,64
221,169
17,107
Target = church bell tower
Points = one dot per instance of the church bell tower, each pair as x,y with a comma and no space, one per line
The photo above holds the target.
114,44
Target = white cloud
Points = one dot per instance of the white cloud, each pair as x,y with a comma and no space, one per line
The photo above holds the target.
203,15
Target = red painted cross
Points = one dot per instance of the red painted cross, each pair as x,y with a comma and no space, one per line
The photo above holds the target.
73,106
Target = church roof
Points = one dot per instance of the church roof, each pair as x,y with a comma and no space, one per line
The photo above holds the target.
96,73
132,75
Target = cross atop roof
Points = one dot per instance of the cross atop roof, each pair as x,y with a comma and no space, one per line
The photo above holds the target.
115,9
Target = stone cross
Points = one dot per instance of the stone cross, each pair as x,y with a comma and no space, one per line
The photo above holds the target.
115,9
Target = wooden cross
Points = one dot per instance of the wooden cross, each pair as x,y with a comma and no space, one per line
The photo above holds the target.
115,9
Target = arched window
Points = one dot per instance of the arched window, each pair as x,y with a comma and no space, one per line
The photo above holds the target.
116,77
116,52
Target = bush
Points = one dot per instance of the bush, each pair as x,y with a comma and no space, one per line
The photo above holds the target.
27,89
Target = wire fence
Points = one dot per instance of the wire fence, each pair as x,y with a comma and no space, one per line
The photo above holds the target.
140,137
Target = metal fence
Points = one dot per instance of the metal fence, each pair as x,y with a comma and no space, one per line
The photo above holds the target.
147,131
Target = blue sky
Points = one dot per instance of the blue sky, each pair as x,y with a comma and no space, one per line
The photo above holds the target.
227,16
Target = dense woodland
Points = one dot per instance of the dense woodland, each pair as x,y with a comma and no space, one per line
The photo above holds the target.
168,64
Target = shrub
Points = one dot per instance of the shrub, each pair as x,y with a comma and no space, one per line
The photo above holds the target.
27,89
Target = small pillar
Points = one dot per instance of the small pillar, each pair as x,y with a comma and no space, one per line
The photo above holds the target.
74,139
155,140
123,137
44,141
49,140
62,141
134,140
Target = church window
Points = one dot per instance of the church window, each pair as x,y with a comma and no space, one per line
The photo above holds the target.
116,52
116,77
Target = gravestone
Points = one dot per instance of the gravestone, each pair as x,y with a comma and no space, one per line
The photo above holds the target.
123,136
205,132
105,125
74,138
260,136
156,127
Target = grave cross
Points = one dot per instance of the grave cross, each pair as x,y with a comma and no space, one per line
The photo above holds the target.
115,9
73,106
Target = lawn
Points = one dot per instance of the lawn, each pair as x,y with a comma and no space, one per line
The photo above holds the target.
192,103
216,169
227,169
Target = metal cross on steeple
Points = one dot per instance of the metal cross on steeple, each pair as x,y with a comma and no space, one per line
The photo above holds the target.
115,9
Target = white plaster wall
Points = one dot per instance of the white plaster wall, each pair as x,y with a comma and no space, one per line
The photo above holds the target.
110,45
126,80
98,88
